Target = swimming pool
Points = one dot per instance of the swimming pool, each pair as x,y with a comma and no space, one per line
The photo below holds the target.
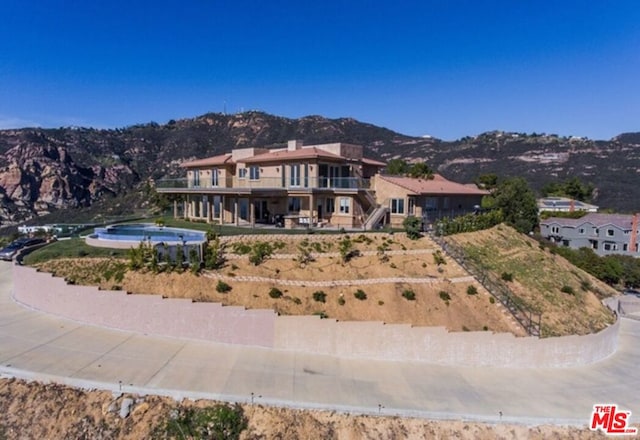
137,232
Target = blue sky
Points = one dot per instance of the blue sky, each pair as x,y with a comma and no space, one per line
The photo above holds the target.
447,68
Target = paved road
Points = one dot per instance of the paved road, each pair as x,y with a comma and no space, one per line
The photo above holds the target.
34,345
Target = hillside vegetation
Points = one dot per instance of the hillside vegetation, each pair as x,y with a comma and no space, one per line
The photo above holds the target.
568,298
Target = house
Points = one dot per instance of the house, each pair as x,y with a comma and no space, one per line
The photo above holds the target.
606,234
315,185
429,199
296,185
563,204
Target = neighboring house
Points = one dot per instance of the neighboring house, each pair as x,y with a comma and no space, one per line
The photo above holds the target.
604,233
328,184
564,204
428,199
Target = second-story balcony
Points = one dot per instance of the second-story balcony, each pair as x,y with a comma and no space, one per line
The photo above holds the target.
337,183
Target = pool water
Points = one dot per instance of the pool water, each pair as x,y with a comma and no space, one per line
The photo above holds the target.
148,232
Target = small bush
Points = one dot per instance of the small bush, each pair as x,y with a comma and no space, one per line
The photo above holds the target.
424,265
222,287
216,422
341,301
485,328
320,296
409,294
585,285
322,315
444,296
359,294
438,258
471,290
412,226
567,289
274,293
380,303
296,300
393,266
492,300
507,276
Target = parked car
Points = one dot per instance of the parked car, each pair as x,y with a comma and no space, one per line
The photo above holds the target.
632,292
7,253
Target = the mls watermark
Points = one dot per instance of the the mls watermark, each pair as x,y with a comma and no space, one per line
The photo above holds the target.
611,420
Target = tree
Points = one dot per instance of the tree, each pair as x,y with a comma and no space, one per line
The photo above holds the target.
412,226
517,202
487,181
572,188
420,170
397,167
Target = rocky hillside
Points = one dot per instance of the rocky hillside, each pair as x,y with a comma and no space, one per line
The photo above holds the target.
44,170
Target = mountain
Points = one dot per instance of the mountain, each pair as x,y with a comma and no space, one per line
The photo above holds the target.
47,170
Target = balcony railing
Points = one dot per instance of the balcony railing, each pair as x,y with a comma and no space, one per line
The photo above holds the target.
268,183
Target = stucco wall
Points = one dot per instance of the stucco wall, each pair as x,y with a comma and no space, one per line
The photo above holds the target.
367,340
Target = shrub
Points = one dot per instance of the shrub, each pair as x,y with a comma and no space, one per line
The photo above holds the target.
412,226
444,295
341,301
409,294
585,285
380,303
260,251
222,287
220,421
567,289
322,315
471,290
507,276
438,258
241,248
492,300
274,292
320,296
359,294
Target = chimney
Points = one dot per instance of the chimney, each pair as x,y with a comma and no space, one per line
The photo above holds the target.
634,233
294,145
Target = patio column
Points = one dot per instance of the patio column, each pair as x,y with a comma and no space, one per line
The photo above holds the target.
185,207
311,209
223,209
175,209
209,209
235,211
252,213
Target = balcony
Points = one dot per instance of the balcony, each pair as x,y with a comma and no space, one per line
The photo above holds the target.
353,183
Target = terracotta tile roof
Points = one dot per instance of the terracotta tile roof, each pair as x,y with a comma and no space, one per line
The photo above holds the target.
437,185
368,161
622,221
223,159
284,155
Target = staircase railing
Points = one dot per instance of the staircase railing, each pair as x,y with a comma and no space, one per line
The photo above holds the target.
530,320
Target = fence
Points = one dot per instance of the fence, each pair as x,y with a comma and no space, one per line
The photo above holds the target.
527,318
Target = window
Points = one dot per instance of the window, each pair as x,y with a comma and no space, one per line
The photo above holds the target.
610,232
565,243
445,203
397,206
330,204
242,173
214,177
294,204
555,230
412,206
581,231
431,204
344,205
294,175
610,246
254,173
625,247
196,178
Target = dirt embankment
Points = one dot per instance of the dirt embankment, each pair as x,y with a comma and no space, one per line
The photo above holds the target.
37,411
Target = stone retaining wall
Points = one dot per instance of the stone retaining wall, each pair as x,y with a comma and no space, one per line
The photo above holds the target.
152,314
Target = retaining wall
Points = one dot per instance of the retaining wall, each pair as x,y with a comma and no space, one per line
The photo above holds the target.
152,314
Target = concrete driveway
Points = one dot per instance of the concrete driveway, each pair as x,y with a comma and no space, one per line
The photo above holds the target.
38,346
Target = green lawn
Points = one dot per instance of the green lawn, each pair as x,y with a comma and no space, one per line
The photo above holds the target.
72,248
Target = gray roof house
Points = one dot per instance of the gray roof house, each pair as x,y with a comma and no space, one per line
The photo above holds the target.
564,204
606,234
